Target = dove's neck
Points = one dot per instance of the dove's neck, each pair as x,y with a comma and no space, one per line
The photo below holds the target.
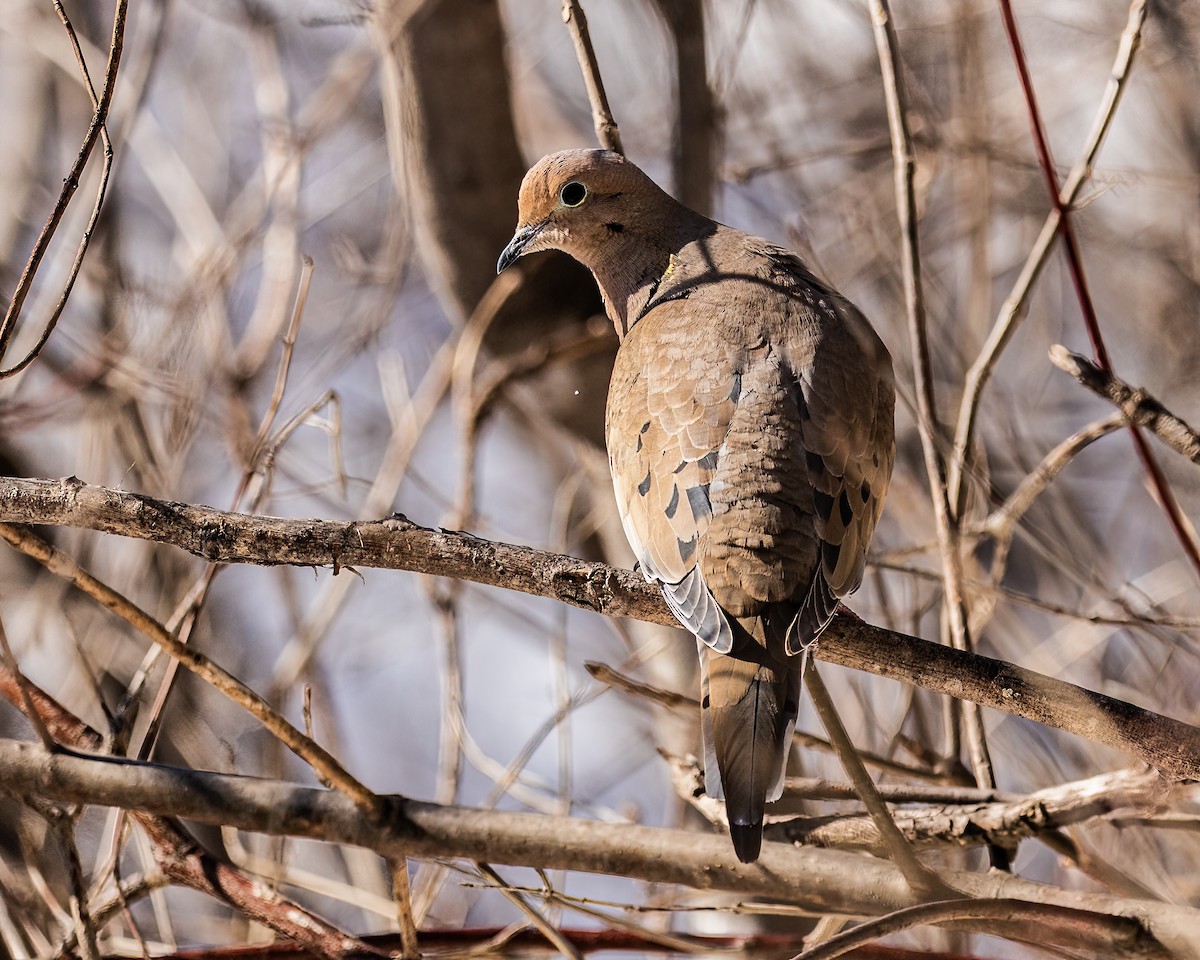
634,262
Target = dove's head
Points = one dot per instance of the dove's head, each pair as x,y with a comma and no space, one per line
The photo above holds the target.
592,204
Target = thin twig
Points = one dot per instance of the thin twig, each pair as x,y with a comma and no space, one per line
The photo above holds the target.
1001,525
818,788
452,734
96,130
401,892
547,929
668,698
127,893
1057,922
1184,532
285,365
85,927
1011,311
1130,620
58,563
410,414
606,127
1001,522
924,882
260,465
1136,404
904,161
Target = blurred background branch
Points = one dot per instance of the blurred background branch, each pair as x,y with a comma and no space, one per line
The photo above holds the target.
193,357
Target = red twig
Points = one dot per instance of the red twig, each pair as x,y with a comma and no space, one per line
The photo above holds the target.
1079,280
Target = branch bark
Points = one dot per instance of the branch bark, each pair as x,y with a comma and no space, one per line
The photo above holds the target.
1137,405
818,880
177,854
932,816
607,132
399,544
1003,823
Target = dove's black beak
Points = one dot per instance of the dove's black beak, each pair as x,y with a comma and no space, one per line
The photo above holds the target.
516,246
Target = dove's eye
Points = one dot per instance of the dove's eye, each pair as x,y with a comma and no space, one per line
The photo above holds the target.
572,194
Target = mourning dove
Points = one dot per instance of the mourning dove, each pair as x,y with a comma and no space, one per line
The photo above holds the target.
750,436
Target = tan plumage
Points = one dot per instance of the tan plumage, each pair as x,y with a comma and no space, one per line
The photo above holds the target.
750,437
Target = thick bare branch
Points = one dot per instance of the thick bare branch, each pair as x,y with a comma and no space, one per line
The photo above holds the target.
933,815
181,860
399,544
821,880
1002,822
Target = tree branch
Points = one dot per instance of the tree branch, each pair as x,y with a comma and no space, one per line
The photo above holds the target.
956,614
607,132
1134,941
178,856
1182,529
399,544
931,816
1137,405
96,131
818,880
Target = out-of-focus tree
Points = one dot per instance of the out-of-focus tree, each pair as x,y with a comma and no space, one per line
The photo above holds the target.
286,307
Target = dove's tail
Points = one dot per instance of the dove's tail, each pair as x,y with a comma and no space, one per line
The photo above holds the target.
749,712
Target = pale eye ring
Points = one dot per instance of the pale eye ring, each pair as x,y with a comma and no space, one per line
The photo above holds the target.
573,193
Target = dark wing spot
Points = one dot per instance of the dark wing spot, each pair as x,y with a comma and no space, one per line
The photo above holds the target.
674,504
829,555
638,449
845,509
682,466
709,461
704,702
645,427
815,464
686,548
824,504
615,227
698,498
736,391
644,486
866,491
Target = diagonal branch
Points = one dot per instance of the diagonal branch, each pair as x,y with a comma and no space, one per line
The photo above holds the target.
1183,530
96,131
1012,310
323,763
1137,405
399,544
